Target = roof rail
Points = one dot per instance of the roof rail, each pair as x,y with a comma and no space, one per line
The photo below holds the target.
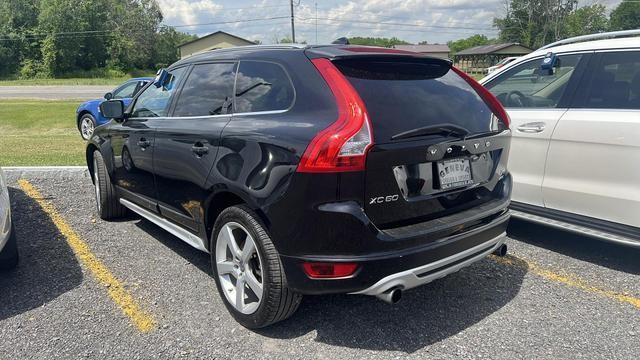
600,36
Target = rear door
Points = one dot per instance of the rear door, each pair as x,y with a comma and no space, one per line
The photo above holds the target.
438,149
187,142
535,100
593,163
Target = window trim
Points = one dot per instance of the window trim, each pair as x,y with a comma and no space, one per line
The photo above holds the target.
567,98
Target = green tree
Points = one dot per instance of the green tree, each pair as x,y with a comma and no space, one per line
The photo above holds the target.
377,41
626,16
586,20
534,23
471,41
18,20
166,46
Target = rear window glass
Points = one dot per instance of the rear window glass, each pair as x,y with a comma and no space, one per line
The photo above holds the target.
262,86
401,96
207,91
615,82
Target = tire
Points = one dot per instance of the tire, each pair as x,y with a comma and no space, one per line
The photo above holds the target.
86,125
9,254
107,201
277,301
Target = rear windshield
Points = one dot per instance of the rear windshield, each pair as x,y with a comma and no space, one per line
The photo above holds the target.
401,96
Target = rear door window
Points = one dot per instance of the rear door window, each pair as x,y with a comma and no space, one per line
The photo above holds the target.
401,96
614,82
262,86
527,86
207,91
154,100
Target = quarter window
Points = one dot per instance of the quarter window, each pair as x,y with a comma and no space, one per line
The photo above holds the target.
207,91
615,82
154,100
529,86
262,86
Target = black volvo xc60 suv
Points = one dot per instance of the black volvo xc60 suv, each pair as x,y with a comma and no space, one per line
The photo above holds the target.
311,170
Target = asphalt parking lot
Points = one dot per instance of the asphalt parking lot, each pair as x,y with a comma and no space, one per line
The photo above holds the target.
127,289
54,92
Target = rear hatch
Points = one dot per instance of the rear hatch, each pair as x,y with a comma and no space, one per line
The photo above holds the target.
439,149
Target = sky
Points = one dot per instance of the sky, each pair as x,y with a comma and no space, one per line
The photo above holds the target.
434,21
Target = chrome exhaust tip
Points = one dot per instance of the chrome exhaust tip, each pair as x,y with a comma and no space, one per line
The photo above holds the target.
391,296
501,250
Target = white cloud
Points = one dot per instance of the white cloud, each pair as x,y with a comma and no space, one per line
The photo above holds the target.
411,20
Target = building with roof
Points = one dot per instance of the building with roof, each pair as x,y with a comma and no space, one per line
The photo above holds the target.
436,50
216,40
478,58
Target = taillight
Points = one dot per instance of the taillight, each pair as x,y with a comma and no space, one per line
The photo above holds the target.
343,145
318,270
491,101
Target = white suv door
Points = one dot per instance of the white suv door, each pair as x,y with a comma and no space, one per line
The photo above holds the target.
535,100
593,165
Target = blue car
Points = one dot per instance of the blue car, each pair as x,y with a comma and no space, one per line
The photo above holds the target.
88,114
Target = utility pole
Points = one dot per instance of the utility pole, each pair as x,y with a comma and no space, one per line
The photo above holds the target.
293,26
316,23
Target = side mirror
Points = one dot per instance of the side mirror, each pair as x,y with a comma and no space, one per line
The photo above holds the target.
108,96
112,109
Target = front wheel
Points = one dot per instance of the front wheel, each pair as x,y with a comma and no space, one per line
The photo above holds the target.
107,201
9,254
86,125
248,272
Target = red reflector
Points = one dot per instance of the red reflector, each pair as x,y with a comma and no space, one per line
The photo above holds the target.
491,101
317,270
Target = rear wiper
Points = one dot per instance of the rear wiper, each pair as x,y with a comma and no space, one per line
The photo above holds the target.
439,129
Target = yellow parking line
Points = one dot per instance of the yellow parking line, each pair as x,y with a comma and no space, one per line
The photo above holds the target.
141,319
567,279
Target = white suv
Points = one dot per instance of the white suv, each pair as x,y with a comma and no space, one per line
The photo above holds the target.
8,246
575,153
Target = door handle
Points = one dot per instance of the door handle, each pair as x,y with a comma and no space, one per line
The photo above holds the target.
144,143
199,149
534,127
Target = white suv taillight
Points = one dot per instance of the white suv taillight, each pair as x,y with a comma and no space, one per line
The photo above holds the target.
344,144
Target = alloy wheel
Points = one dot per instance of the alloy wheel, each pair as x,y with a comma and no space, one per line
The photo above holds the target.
239,268
86,128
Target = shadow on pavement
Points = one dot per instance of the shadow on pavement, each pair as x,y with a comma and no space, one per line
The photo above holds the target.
585,248
47,269
425,315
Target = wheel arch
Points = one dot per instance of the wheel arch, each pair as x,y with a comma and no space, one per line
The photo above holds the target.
220,200
80,115
91,148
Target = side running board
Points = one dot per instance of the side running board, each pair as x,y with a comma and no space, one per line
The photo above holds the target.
184,235
619,239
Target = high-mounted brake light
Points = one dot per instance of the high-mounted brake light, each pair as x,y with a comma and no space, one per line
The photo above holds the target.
344,144
493,103
318,270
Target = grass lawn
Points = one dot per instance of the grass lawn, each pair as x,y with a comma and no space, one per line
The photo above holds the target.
72,81
39,132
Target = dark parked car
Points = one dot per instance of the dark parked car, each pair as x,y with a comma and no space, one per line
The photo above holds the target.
88,117
311,170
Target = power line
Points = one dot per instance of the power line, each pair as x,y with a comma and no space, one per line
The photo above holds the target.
397,24
230,22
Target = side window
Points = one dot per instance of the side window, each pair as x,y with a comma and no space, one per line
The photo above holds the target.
154,100
125,91
615,82
528,86
262,86
207,91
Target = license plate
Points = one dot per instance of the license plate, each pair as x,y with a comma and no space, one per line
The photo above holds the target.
454,173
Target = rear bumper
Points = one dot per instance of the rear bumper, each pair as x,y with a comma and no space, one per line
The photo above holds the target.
406,268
